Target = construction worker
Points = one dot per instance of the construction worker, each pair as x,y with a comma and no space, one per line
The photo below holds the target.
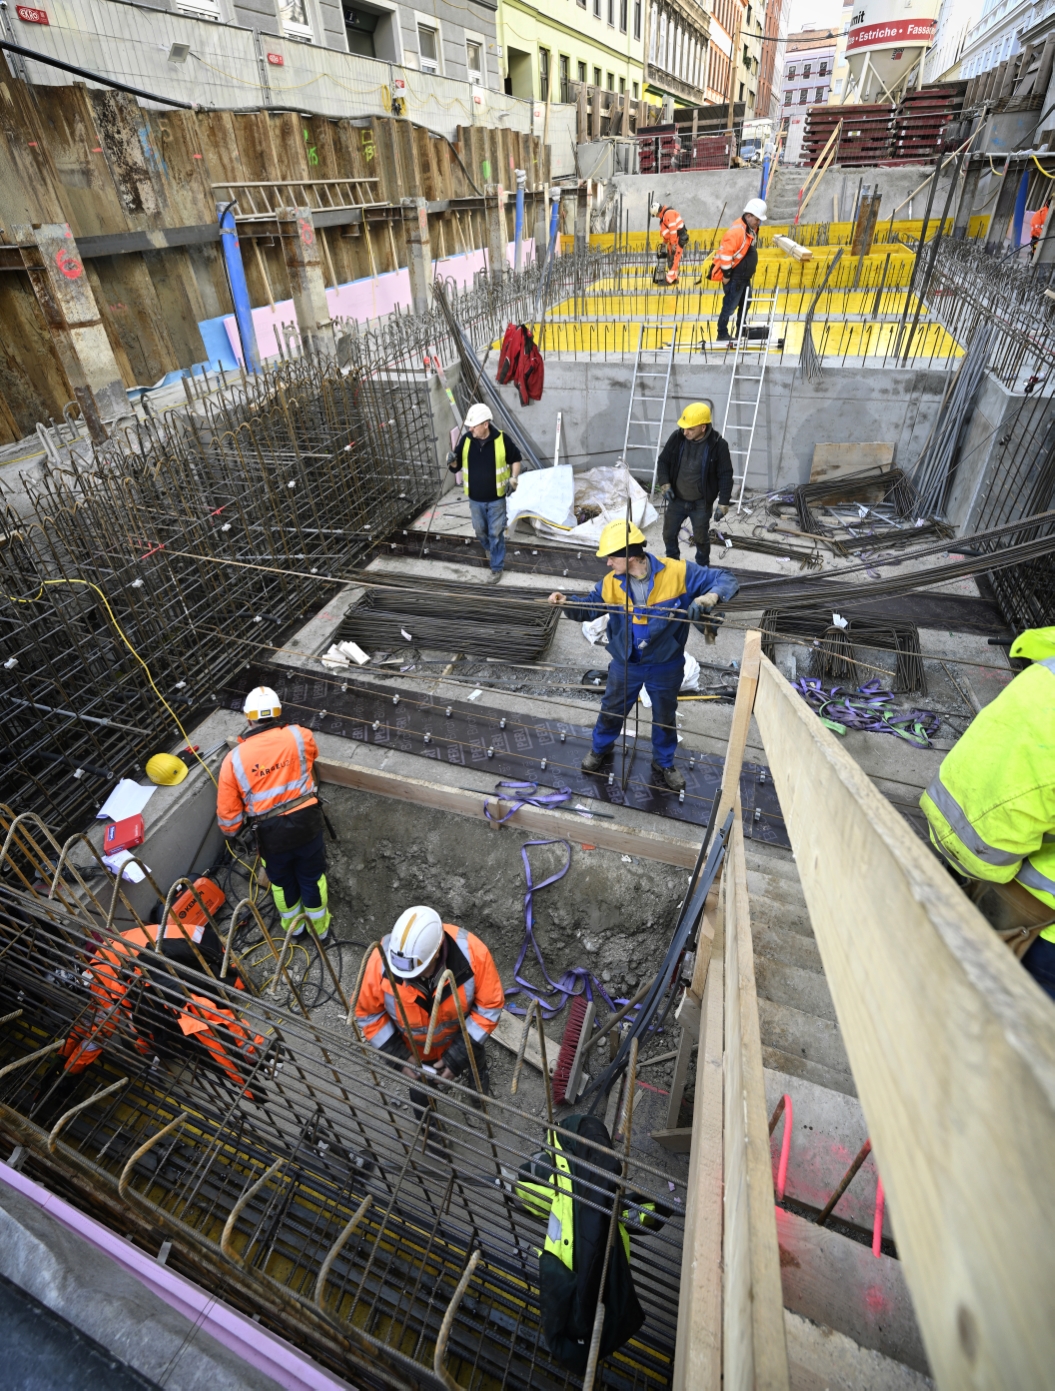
1037,224
991,808
693,472
674,238
735,263
648,626
268,781
412,959
488,464
128,992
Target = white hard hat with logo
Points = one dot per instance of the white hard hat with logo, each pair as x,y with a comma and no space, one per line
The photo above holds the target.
262,703
757,208
476,415
414,941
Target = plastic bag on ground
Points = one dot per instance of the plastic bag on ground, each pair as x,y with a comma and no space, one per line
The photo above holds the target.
604,487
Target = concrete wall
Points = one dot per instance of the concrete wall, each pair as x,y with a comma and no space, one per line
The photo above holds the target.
701,195
847,404
998,418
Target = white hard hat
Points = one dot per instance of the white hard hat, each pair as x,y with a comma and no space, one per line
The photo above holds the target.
476,415
757,208
414,941
655,209
262,703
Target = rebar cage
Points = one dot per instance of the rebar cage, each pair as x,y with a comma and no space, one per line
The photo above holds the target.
331,1206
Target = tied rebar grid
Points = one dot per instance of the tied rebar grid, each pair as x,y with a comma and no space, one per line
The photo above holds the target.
261,1198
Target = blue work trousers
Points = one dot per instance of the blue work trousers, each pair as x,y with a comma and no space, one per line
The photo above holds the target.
298,872
489,523
1039,961
734,301
662,681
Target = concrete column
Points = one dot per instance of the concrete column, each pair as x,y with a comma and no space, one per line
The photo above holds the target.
1005,205
419,252
497,240
966,205
300,246
582,219
56,272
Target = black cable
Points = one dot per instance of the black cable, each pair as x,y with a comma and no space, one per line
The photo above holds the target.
95,76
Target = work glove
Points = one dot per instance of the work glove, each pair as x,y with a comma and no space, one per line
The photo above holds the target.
720,511
702,618
452,458
512,485
666,492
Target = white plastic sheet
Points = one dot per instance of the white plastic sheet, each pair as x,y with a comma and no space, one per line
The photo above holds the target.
605,488
544,493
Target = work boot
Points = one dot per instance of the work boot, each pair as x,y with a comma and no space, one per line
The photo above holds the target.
495,576
592,762
670,777
722,338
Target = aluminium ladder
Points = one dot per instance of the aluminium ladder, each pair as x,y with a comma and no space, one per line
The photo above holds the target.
648,405
745,385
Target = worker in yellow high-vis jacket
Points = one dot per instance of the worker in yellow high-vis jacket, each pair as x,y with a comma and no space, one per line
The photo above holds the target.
991,809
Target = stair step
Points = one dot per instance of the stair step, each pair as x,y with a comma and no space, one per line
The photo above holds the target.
784,945
796,1066
802,1035
806,991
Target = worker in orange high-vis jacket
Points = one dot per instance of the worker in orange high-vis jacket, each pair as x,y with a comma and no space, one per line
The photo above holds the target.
674,238
1037,223
735,263
130,994
417,952
268,782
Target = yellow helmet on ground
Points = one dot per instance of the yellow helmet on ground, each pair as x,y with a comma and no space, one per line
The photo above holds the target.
1035,643
616,537
165,769
699,413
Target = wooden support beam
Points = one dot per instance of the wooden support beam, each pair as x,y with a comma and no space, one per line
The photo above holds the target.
754,1351
300,246
745,700
625,840
952,1047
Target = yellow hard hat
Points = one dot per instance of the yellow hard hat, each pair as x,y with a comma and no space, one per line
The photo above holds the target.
699,413
165,769
615,537
1035,643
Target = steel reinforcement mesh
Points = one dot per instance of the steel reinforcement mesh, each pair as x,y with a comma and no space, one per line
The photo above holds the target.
259,1197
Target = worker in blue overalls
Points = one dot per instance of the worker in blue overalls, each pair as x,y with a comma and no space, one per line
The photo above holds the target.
647,632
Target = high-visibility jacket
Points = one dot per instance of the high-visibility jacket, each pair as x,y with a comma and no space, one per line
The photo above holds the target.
670,224
111,975
501,464
570,1264
736,243
653,637
991,809
269,774
1036,223
223,1036
479,990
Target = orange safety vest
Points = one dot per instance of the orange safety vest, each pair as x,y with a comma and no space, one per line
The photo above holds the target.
111,972
479,990
1036,224
222,1035
269,774
736,243
670,224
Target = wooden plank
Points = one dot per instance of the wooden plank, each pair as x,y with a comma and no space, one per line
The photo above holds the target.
676,1141
698,1351
753,1342
830,461
625,840
837,1282
953,1052
510,1030
745,699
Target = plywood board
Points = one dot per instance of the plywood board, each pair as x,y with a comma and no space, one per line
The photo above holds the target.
830,461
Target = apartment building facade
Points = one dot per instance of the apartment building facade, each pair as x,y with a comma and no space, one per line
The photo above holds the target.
545,51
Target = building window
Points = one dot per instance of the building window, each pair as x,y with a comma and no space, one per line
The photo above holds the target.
622,86
597,77
749,14
565,77
582,72
474,61
787,97
822,71
653,30
293,15
637,19
747,59
543,73
597,9
741,96
428,49
807,68
623,11
611,81
819,95
637,92
359,27
791,73
804,96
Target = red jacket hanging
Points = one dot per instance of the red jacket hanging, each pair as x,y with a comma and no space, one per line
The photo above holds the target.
520,362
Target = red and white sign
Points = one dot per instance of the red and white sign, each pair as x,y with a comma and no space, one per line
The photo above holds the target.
28,15
892,24
276,60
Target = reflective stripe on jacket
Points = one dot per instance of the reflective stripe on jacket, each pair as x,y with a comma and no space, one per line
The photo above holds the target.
736,243
992,805
267,774
479,990
670,224
654,638
501,464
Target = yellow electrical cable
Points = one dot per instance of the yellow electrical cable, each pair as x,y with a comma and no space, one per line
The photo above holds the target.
1040,166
